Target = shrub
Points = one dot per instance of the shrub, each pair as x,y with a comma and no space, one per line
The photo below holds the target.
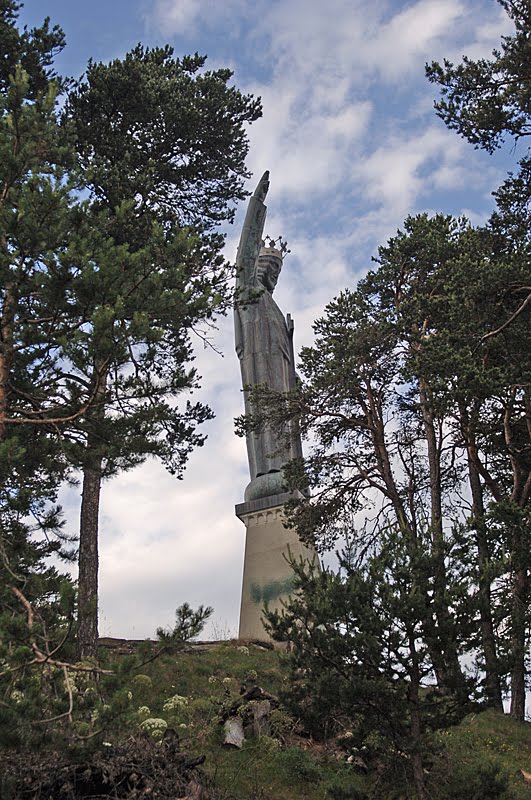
483,782
299,765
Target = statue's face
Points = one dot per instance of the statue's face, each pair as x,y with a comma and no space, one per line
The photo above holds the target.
268,271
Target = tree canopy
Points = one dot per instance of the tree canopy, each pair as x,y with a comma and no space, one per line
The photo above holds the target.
416,412
488,100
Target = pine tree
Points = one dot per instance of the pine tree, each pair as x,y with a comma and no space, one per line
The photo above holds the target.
358,657
163,143
38,224
488,102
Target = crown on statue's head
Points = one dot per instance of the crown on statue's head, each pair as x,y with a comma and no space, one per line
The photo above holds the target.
277,248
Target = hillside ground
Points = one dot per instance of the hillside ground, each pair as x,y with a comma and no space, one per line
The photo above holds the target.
163,725
287,765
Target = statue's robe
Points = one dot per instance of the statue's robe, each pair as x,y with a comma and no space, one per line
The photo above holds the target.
264,347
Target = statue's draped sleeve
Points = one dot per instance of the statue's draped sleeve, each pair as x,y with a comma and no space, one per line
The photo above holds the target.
253,226
248,252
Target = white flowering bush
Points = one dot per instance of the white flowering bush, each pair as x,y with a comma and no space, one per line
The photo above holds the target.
243,649
74,688
268,744
175,703
155,726
143,712
100,712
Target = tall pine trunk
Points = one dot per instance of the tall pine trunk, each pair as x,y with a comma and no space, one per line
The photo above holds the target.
488,638
520,592
87,633
519,554
6,354
415,719
451,674
431,629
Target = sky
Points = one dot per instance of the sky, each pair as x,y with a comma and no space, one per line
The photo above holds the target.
353,146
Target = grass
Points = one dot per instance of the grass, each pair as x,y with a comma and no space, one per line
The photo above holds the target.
285,766
489,738
280,767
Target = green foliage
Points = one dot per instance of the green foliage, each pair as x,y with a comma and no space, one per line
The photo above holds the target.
298,765
486,100
178,145
278,767
483,783
188,624
345,791
109,257
486,751
40,225
359,661
34,50
161,143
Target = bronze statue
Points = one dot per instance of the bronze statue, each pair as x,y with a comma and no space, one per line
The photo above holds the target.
264,344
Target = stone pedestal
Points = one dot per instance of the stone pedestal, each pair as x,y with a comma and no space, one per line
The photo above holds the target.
267,577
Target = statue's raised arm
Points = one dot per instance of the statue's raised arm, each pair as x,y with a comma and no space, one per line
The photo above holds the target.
251,238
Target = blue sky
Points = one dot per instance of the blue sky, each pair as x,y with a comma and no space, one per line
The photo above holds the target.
353,146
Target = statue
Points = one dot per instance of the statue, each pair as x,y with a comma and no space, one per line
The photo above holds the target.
264,344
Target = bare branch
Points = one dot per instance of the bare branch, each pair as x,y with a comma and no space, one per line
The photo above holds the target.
508,322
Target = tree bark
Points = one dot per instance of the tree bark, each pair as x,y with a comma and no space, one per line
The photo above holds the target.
415,721
451,674
87,633
233,733
518,639
488,638
6,353
438,653
519,559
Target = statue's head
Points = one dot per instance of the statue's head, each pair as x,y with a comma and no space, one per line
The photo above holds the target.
268,269
270,262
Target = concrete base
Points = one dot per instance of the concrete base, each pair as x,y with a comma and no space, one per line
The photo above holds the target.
267,576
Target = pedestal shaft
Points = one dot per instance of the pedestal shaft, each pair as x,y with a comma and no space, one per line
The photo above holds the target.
267,576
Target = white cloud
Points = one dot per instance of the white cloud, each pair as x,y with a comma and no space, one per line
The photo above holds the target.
356,40
409,37
400,175
488,34
305,152
175,16
181,17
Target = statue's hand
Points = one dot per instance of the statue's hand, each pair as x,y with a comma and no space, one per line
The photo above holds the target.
261,190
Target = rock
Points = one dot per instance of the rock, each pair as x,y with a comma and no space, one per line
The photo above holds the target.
358,763
234,736
261,724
